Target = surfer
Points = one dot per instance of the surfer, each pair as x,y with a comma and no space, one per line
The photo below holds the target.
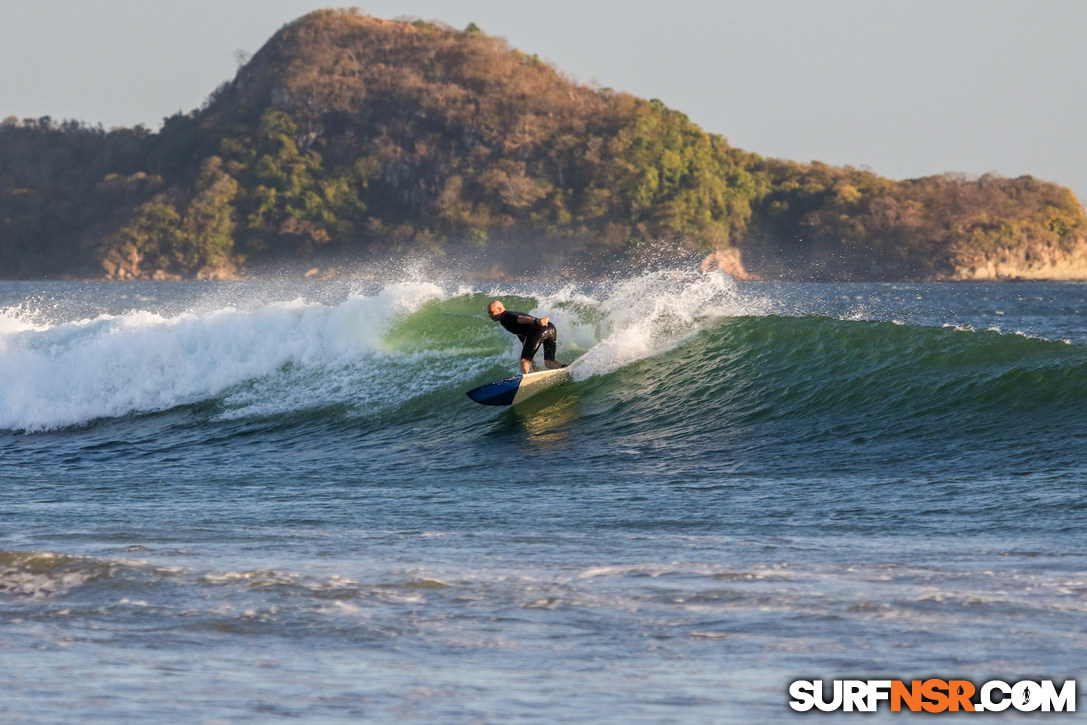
532,331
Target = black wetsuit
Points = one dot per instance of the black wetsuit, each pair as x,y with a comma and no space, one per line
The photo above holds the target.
531,334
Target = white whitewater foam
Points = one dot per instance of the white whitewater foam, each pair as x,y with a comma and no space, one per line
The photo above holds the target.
52,376
644,316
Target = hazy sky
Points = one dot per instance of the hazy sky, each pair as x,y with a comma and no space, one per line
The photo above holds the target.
905,87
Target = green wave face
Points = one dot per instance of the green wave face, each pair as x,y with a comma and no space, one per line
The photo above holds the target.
772,393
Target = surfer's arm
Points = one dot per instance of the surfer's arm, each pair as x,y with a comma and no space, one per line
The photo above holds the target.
530,320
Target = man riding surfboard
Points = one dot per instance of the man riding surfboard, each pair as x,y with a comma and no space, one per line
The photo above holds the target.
532,331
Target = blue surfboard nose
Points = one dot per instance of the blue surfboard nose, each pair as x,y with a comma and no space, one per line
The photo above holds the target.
500,392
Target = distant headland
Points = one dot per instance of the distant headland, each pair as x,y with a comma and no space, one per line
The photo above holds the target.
347,137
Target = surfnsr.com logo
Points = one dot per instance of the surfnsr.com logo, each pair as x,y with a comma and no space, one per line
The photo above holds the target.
932,695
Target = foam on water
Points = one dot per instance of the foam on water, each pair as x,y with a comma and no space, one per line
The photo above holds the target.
73,372
295,354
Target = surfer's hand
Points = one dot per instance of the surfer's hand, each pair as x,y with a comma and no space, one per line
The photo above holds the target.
544,321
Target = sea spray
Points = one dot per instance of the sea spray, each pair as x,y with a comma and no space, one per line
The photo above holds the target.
637,318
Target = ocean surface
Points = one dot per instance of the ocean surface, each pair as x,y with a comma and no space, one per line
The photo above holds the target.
272,502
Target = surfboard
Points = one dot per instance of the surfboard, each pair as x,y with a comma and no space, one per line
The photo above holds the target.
520,387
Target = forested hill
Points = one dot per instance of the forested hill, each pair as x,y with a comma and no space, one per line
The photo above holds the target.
347,137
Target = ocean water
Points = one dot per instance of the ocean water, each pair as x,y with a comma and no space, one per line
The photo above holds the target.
272,502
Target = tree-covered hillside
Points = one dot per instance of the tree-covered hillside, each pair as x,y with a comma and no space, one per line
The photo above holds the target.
347,136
